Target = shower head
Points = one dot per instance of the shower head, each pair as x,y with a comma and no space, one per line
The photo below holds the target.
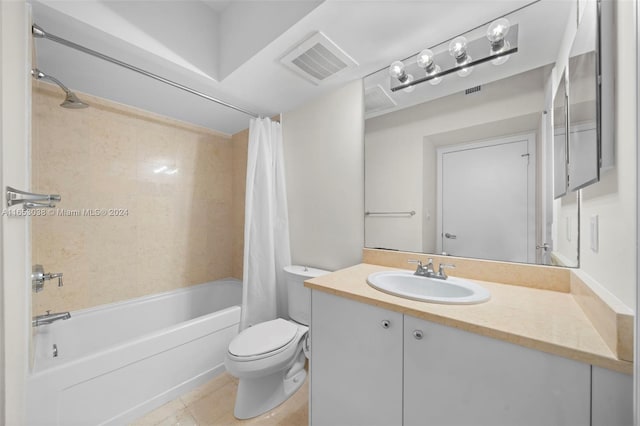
70,100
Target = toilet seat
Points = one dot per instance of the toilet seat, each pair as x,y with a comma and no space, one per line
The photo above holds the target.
263,340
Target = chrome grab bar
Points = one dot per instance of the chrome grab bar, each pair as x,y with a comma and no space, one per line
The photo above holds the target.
30,200
411,213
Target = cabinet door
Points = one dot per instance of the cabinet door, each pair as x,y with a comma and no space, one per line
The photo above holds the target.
612,395
356,363
453,377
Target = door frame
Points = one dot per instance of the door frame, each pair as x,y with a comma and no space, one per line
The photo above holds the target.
530,137
15,250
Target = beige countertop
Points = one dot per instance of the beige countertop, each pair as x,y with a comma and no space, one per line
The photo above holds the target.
545,320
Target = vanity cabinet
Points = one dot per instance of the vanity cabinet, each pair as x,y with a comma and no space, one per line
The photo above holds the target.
356,363
372,366
455,377
612,398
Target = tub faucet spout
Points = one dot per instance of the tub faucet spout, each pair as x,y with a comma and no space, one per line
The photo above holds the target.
48,318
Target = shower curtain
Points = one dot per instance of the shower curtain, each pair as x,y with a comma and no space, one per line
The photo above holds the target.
266,227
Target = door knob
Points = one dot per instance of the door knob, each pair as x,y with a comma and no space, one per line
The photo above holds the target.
450,236
545,247
418,334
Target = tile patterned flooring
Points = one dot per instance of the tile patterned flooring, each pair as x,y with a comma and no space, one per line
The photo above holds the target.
212,403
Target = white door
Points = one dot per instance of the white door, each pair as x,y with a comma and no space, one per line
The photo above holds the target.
15,126
487,200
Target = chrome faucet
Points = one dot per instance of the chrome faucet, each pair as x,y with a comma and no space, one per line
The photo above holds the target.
423,270
48,318
427,270
441,275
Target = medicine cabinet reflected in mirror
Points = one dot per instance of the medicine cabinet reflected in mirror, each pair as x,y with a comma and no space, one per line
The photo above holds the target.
562,228
583,141
560,183
467,167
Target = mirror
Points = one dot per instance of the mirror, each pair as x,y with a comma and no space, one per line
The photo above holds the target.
466,167
561,232
584,140
560,182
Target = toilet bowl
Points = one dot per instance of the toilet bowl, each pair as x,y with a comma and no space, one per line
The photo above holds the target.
269,357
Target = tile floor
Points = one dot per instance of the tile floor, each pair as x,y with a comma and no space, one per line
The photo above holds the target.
211,404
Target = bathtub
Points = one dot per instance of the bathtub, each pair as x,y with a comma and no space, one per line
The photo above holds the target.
116,362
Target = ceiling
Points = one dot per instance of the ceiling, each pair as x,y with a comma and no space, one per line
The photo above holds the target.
231,50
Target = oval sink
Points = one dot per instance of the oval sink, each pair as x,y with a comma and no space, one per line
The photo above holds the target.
456,291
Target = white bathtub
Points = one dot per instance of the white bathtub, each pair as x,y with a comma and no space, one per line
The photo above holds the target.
116,362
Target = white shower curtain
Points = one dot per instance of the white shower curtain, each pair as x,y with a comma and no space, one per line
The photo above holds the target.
266,227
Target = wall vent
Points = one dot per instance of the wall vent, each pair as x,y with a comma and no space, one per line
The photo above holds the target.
377,99
472,90
317,58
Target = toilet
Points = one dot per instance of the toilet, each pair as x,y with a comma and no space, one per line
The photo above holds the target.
269,357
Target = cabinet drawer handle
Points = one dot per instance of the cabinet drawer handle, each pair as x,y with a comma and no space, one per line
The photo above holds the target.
418,334
385,323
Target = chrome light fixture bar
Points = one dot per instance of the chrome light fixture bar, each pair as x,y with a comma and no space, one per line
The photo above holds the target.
499,42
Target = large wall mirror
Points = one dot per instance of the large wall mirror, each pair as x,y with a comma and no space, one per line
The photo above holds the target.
478,165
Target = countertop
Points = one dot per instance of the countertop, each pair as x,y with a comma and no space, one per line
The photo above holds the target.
545,320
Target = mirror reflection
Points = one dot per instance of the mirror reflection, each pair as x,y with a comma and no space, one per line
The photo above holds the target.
466,167
583,158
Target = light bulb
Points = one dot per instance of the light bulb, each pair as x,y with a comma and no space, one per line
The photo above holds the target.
496,51
425,59
408,79
396,70
465,71
437,80
498,30
458,48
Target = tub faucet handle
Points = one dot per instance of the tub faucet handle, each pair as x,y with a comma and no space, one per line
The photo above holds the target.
38,277
57,275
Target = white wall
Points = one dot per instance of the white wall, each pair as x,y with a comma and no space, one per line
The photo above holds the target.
565,243
324,160
613,199
394,178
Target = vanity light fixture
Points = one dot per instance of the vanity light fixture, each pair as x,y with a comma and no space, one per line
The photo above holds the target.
496,34
397,70
425,60
458,49
458,58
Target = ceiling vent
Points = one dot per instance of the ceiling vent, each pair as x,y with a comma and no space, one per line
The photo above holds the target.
377,99
317,58
472,90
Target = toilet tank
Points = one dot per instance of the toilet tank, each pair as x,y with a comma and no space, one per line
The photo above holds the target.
298,296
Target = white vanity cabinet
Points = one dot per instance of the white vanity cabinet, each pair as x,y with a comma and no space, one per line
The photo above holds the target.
454,377
612,398
372,366
356,363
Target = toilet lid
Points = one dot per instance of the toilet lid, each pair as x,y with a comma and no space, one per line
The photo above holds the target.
263,338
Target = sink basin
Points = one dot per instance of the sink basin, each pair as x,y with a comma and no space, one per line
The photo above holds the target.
455,291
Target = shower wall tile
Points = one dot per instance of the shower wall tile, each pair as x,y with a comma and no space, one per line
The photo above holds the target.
240,144
181,228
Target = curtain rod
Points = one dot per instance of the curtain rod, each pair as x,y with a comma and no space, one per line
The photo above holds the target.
40,33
